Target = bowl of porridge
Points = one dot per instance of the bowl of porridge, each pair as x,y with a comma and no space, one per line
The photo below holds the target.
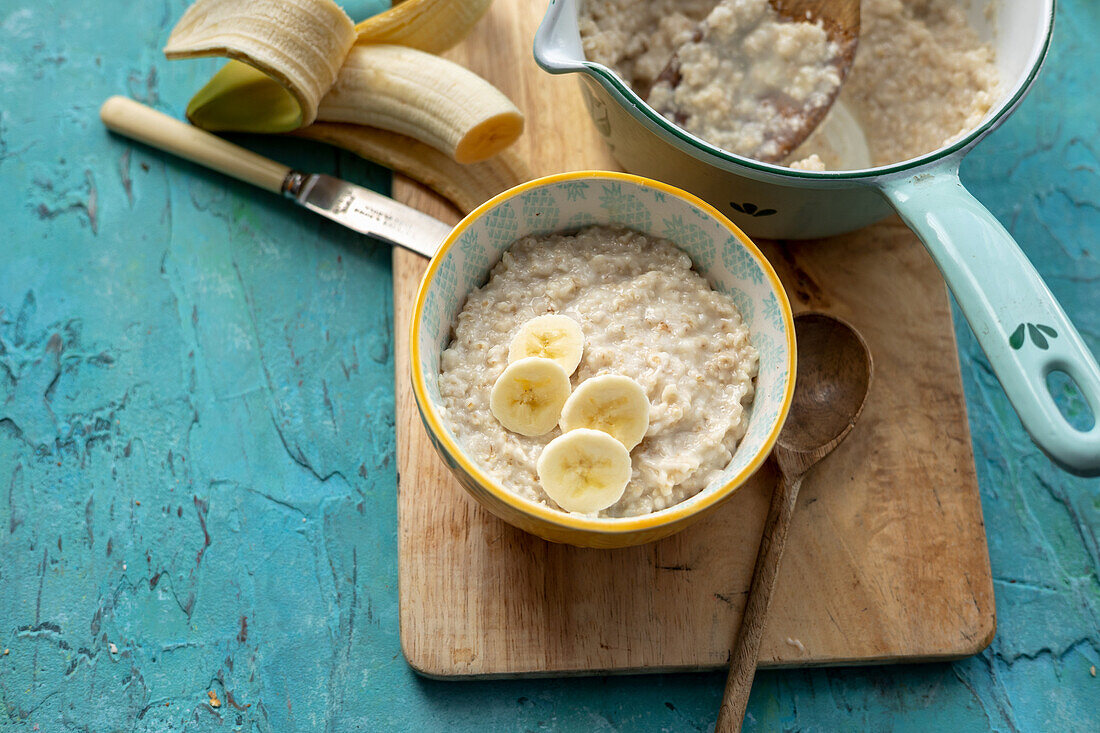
930,80
601,359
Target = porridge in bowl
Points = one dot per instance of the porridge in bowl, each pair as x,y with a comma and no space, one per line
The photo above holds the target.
660,361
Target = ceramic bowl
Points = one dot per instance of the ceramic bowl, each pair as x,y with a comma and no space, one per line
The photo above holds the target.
720,252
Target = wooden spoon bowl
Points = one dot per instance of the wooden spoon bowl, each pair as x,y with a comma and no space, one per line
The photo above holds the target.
834,377
839,17
840,20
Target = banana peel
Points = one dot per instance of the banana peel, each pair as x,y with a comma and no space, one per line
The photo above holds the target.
244,99
428,25
299,44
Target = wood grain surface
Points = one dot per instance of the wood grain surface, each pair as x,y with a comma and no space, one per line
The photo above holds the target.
886,559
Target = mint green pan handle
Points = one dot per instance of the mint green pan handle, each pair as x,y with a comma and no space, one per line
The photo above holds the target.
1022,329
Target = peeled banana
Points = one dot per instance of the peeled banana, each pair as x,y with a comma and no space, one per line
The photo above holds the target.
584,470
528,395
425,97
551,336
429,25
611,403
466,186
299,44
293,62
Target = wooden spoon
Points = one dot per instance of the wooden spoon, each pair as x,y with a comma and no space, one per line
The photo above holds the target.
840,17
841,21
834,375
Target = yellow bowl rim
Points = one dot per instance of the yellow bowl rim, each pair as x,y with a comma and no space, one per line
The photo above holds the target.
608,525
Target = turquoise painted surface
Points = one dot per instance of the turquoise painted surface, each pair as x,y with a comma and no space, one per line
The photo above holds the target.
172,338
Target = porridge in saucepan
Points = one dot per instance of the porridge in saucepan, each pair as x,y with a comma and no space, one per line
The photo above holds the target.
921,79
653,331
749,83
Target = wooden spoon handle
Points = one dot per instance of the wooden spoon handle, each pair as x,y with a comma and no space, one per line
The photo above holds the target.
747,647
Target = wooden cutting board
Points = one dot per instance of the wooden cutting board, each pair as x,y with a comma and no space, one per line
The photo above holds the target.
886,559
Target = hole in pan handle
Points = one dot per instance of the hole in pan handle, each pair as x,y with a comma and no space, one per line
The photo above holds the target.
1019,324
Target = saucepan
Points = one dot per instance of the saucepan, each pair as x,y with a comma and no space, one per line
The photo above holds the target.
1019,324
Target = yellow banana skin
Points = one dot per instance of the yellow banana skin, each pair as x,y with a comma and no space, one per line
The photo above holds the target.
244,99
423,96
466,186
300,44
429,25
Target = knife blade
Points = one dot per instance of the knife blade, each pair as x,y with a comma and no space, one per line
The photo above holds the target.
367,212
353,206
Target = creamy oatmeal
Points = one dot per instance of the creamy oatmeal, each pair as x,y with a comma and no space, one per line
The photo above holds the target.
751,80
922,77
637,38
645,314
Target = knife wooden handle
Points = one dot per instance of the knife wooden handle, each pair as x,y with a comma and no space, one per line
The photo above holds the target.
145,124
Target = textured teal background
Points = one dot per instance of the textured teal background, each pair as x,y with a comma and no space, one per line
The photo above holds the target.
197,481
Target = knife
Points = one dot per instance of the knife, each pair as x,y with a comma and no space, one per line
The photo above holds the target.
353,206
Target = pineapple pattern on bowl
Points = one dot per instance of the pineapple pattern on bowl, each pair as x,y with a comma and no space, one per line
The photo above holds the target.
729,261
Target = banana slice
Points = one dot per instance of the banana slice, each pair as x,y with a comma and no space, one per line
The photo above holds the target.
584,470
552,337
528,395
612,403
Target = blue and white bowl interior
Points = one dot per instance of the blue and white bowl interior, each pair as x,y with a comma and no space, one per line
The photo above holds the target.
566,205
